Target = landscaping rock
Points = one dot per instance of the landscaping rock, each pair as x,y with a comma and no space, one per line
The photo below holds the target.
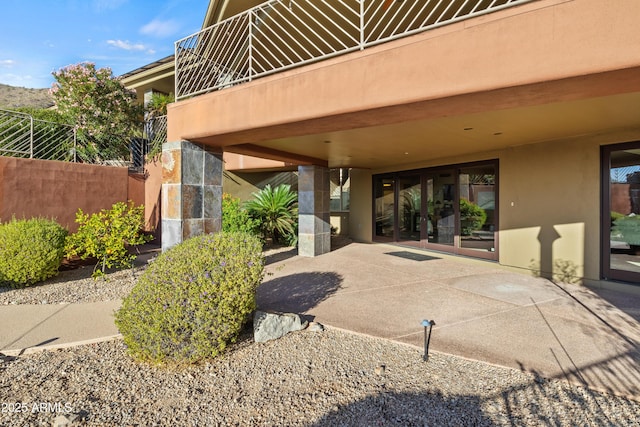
315,327
63,421
270,326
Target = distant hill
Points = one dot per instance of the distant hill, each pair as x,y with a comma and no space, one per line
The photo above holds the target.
16,97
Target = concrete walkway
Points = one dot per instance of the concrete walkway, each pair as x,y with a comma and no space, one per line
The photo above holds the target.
481,312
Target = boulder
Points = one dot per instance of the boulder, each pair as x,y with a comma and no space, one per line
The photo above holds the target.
270,326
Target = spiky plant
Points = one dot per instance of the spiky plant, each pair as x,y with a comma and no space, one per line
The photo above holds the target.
277,211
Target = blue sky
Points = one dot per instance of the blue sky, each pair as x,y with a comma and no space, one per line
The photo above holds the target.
38,37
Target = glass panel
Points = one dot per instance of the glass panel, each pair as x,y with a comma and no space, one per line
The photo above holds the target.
624,194
384,207
409,208
441,213
346,188
334,190
339,186
477,207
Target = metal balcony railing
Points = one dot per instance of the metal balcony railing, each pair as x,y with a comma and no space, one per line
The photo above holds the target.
281,34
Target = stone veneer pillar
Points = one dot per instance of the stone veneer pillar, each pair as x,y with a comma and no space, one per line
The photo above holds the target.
191,192
314,222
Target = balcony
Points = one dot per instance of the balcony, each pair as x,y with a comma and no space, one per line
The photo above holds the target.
281,34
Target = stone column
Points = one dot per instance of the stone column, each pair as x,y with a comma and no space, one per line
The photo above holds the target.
191,191
314,222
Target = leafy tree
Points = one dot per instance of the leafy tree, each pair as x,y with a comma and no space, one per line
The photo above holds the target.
277,211
104,112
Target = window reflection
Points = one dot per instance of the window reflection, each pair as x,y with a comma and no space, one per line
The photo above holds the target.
624,196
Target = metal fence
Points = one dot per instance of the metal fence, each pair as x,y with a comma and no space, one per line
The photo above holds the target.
23,136
281,34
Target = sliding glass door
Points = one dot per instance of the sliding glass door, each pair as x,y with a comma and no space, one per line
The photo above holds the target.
451,208
621,212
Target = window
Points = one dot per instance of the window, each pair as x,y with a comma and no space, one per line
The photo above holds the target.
621,212
339,186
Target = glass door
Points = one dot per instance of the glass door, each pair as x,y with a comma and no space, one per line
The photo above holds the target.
621,212
409,209
477,204
451,209
384,208
440,194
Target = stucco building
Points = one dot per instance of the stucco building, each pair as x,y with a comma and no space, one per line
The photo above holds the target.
504,130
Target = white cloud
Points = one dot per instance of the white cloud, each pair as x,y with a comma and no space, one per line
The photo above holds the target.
126,45
157,28
7,62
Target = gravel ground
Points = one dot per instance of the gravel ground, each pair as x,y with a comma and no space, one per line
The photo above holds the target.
330,378
75,286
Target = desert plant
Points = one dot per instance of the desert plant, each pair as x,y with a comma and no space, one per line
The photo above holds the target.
193,300
107,234
235,218
277,211
472,217
30,251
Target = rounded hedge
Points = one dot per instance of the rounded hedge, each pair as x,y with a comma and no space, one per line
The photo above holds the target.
31,251
193,299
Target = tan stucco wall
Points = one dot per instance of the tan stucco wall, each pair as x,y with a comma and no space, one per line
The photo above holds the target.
549,199
41,188
361,205
244,184
550,206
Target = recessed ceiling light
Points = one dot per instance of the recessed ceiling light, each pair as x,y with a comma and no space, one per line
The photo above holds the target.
406,152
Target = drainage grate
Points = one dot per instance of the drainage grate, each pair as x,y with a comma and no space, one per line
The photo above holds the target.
412,256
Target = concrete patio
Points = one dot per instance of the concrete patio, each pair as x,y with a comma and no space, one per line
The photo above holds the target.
481,311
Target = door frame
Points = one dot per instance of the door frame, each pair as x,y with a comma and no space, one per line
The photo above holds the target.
423,243
606,272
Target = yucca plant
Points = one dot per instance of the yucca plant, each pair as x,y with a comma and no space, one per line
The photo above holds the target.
277,211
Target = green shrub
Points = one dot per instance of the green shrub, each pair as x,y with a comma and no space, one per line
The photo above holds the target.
615,216
277,212
106,235
193,299
234,218
627,228
30,251
472,217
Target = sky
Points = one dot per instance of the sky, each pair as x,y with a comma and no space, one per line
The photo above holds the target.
38,37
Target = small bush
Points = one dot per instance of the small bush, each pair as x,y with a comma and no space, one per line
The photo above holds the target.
30,251
472,217
193,299
234,218
106,235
